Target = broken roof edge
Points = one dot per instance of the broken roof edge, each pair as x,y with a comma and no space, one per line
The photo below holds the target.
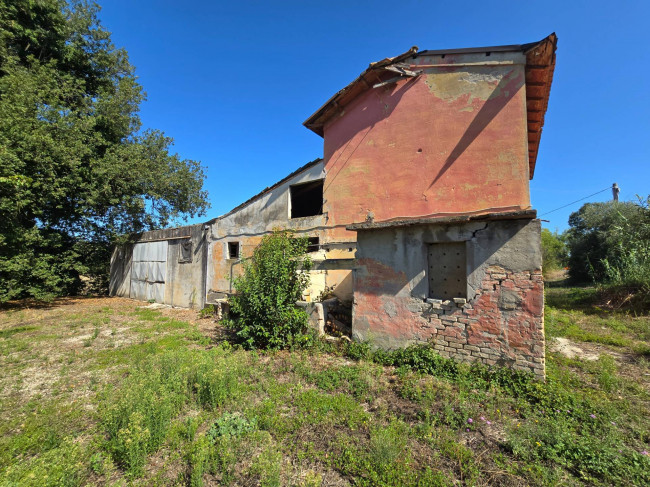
528,214
267,189
316,121
540,55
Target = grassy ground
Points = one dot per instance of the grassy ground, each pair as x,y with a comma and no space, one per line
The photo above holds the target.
104,392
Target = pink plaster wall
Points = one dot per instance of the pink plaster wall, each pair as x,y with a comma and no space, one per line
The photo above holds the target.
454,140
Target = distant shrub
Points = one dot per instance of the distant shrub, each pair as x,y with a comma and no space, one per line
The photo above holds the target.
263,310
209,311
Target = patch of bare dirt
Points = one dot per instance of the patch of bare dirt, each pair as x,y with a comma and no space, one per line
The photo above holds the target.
571,350
47,347
629,364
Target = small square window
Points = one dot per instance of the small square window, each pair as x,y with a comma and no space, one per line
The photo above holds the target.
447,270
313,244
185,252
233,250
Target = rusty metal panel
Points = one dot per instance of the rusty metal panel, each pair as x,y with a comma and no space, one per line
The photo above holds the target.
447,270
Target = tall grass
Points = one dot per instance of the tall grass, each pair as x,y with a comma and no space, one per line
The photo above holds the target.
138,416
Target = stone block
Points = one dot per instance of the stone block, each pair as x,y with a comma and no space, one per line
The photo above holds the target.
414,307
509,299
453,339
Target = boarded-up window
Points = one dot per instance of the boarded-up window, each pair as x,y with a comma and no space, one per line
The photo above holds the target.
185,255
447,270
233,250
307,199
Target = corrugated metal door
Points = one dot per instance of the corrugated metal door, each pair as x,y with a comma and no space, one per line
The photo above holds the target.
149,270
447,270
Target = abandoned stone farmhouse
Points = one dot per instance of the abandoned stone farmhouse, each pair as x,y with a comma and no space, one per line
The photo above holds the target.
418,214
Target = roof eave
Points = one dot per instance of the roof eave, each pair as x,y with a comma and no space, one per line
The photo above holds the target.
527,214
540,66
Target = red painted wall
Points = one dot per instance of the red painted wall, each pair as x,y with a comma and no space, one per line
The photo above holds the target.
453,140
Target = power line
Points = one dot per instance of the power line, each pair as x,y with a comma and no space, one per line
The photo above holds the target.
576,201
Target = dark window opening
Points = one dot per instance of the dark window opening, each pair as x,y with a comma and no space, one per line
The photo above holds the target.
233,250
313,244
307,199
447,270
185,255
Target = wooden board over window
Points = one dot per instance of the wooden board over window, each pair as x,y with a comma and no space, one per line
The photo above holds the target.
447,270
185,252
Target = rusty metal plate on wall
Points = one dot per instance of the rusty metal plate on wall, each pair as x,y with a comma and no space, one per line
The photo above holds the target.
447,270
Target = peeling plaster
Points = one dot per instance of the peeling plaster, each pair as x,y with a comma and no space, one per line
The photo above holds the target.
480,83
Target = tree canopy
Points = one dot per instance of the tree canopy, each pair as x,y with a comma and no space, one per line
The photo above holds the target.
76,169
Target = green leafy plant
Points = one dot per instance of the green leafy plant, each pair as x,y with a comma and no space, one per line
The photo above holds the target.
264,313
198,459
231,425
209,311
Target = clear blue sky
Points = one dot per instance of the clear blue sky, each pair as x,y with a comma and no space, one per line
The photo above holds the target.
232,82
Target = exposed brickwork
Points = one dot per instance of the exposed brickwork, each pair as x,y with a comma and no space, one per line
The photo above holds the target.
503,324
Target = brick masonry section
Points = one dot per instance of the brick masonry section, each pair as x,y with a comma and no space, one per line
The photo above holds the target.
500,323
503,324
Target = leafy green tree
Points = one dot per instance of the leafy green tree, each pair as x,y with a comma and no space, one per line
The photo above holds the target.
263,310
628,262
600,236
76,170
554,251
